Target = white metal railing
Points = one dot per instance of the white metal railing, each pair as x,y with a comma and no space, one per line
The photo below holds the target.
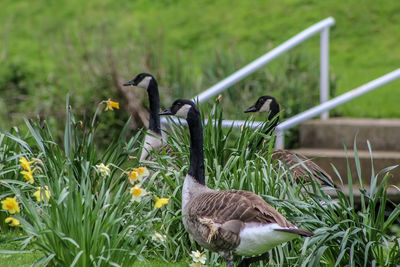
322,26
322,109
308,114
312,112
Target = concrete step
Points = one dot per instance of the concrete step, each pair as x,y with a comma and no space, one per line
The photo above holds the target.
383,134
381,159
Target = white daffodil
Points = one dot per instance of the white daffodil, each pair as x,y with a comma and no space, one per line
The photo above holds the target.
158,237
198,257
137,174
104,170
137,193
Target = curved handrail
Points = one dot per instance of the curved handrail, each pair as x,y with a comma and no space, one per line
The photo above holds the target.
310,113
339,100
322,26
261,61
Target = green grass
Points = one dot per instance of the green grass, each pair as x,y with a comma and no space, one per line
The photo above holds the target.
26,259
90,219
55,47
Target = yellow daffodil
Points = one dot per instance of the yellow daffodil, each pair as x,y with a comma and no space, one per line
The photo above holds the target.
137,174
158,237
25,164
198,258
160,202
10,204
28,175
137,193
12,221
110,105
42,194
104,170
142,171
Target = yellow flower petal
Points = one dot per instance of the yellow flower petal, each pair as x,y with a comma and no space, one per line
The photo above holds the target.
42,195
142,171
28,175
136,192
10,204
133,176
137,174
111,104
12,221
25,164
160,202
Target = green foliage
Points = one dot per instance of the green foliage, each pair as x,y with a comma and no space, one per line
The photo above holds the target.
49,49
344,233
91,220
347,234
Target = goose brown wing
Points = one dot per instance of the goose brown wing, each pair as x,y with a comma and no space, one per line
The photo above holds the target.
235,205
297,169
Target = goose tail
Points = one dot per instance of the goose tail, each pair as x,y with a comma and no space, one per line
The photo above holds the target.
296,231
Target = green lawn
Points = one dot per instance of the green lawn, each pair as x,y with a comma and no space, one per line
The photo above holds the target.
41,37
26,259
11,259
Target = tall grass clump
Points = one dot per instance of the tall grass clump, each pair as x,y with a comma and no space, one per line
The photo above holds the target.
347,234
78,210
88,218
344,233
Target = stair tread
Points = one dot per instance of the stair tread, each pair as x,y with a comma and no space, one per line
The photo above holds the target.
333,133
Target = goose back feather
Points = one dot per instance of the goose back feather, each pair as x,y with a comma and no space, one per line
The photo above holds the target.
292,160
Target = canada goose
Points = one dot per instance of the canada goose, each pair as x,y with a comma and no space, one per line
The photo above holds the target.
228,221
269,105
153,139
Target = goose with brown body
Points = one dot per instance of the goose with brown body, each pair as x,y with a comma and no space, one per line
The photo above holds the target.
153,139
230,222
269,105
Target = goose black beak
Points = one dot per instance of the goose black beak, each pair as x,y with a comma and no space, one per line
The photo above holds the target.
130,83
166,112
250,109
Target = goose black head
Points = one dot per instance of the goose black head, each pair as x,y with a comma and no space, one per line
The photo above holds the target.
264,104
141,80
181,108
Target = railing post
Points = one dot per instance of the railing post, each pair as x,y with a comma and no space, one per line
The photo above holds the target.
261,61
324,70
280,139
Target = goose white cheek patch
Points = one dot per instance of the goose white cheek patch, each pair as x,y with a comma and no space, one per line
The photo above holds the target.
265,107
183,111
145,82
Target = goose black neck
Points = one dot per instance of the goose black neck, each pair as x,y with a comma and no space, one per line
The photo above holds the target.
273,119
196,167
154,101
